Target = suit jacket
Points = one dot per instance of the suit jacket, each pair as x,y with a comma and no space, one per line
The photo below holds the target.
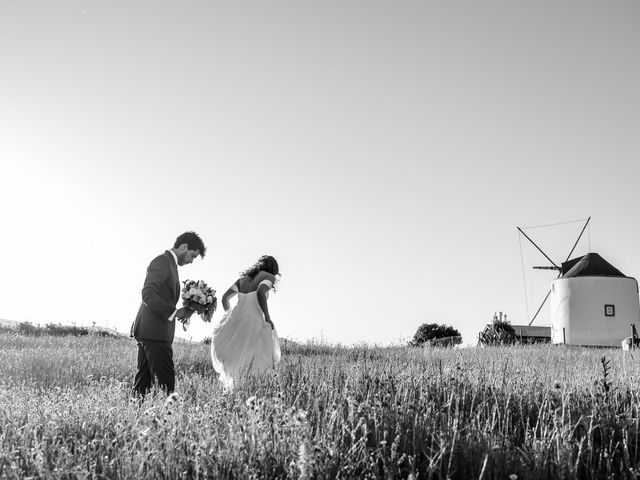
160,295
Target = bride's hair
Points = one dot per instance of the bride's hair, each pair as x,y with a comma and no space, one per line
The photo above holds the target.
265,263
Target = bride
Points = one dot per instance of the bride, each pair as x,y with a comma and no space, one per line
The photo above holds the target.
245,340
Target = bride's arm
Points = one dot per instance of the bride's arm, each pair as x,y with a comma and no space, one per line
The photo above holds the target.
233,290
261,293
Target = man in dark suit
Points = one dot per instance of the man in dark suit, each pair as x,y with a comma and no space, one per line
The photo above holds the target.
155,324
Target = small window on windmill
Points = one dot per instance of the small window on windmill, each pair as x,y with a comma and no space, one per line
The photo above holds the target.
609,310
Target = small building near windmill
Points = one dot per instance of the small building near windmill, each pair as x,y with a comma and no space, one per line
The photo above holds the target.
532,334
524,334
593,303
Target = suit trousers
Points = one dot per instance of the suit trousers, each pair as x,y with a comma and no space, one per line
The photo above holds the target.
155,363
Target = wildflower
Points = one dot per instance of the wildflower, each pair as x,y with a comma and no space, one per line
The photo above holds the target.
149,411
251,401
394,447
513,476
304,461
300,417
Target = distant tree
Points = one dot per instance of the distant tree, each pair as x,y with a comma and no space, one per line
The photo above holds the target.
432,331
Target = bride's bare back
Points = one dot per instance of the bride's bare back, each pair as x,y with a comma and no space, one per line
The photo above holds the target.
248,285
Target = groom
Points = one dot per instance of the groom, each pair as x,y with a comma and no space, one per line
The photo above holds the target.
155,325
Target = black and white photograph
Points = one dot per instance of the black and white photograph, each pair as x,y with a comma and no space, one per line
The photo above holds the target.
319,239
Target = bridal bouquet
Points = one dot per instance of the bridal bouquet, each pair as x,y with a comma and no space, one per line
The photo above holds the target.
198,297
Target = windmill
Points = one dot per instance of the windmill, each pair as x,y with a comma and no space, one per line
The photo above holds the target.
553,265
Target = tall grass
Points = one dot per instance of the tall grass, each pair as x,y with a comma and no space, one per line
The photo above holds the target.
534,412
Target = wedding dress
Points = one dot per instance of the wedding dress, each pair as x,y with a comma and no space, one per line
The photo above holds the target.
243,342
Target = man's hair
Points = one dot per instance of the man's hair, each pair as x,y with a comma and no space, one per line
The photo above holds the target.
193,241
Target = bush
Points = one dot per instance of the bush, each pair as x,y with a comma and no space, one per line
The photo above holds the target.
62,330
427,332
27,328
500,332
57,330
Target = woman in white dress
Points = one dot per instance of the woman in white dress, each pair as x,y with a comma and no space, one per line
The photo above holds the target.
245,340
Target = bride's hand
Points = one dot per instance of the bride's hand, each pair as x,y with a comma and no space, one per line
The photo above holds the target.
268,320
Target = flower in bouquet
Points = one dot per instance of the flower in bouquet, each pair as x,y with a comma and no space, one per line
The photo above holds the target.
198,297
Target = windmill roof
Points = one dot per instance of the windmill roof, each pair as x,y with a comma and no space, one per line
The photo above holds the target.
589,265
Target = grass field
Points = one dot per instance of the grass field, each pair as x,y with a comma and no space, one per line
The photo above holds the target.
533,412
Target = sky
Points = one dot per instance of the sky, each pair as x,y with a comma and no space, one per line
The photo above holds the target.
383,151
